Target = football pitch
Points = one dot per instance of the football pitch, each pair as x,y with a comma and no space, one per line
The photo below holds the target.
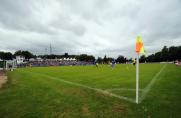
91,92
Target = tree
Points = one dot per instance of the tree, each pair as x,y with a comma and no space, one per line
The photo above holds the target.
99,60
110,59
158,57
105,59
179,53
142,59
66,55
130,60
18,53
121,59
6,56
164,54
85,57
26,54
173,53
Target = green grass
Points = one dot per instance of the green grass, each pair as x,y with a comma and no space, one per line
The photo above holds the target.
38,93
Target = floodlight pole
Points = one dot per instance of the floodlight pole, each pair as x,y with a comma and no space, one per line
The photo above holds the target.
137,78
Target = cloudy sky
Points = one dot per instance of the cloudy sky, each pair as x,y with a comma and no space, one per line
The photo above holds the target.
96,27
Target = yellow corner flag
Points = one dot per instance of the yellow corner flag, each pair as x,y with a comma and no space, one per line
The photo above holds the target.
139,46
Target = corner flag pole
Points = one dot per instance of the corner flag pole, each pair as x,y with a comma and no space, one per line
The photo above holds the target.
137,78
139,49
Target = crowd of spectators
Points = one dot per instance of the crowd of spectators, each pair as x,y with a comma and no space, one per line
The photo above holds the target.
53,62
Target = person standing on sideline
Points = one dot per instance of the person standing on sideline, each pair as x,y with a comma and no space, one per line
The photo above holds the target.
113,63
95,63
134,62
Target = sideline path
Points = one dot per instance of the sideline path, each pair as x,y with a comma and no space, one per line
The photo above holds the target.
3,78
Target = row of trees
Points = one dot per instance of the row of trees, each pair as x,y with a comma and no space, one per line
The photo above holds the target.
28,55
172,53
166,54
120,59
6,56
10,56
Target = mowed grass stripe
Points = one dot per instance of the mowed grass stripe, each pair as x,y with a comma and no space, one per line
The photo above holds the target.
87,87
145,91
148,87
103,77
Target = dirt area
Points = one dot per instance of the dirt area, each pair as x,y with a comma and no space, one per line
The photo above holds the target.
3,78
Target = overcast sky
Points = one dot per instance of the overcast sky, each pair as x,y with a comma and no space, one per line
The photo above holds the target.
96,27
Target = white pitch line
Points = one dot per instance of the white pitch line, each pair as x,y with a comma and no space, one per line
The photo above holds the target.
84,86
122,89
148,87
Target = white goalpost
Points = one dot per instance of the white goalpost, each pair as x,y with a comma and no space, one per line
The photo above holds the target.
10,64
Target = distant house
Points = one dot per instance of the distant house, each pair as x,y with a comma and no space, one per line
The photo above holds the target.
39,59
20,59
32,59
68,59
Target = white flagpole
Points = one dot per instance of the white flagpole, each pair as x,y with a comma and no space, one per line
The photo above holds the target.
137,78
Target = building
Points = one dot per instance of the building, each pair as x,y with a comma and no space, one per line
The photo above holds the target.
20,59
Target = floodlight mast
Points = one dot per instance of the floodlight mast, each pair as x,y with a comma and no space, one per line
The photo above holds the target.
50,49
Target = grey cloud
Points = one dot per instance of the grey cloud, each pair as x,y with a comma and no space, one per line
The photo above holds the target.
97,27
65,24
